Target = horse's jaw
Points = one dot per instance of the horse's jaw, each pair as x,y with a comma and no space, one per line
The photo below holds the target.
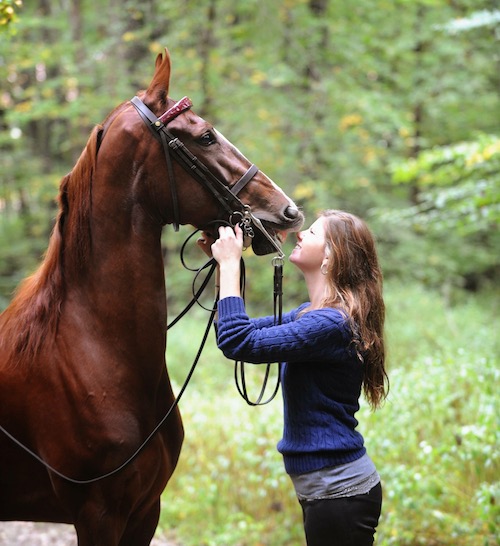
261,245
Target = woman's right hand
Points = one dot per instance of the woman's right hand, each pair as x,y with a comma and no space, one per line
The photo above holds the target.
205,242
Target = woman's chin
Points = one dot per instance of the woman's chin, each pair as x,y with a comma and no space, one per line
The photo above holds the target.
293,258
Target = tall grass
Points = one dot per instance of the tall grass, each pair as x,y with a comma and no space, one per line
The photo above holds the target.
435,442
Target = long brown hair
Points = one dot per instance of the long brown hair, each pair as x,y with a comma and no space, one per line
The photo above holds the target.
355,285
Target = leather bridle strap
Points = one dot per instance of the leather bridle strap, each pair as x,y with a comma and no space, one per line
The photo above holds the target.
243,181
226,196
155,125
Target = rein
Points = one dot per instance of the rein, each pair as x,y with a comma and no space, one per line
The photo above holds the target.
239,366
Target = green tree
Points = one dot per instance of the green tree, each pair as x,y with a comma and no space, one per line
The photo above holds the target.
457,211
456,186
323,96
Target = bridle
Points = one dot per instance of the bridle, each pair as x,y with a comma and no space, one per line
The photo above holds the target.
225,194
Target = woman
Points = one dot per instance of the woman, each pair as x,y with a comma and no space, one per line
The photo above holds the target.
331,348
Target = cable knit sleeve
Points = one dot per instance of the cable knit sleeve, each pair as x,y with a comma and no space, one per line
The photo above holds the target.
316,335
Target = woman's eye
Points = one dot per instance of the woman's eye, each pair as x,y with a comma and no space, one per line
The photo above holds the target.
207,139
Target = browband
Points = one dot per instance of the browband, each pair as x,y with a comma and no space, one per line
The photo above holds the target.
179,107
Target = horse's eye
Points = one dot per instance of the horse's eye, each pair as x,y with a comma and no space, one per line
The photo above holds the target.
207,139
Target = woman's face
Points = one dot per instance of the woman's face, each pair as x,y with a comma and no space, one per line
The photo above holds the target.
310,250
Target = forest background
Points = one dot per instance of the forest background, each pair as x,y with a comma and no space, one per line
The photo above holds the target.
388,109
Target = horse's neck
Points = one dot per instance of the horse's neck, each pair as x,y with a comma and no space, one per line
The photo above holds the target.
128,274
121,288
114,288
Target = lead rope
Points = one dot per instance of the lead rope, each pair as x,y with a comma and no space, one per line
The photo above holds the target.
239,366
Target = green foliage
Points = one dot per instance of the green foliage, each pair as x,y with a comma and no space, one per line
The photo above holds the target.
8,11
459,187
435,442
323,97
454,226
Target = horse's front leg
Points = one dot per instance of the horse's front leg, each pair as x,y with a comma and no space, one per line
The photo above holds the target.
141,527
100,523
112,531
108,517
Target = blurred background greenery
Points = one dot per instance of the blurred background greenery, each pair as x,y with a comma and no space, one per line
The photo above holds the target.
387,109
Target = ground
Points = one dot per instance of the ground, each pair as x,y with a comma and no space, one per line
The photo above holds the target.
27,533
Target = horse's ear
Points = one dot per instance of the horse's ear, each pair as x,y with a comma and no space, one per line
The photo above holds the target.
161,78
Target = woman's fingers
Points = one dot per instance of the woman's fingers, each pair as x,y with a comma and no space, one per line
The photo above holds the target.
205,242
229,245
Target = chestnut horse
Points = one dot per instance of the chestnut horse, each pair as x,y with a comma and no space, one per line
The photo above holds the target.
83,378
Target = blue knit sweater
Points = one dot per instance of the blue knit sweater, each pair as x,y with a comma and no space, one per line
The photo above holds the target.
321,379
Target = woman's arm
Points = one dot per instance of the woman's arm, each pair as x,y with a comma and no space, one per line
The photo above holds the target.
317,335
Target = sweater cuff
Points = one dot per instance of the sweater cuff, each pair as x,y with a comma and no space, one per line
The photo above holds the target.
230,306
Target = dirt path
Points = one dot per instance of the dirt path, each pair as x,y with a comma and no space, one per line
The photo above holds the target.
27,533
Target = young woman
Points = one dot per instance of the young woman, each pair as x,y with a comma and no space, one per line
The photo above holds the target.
331,348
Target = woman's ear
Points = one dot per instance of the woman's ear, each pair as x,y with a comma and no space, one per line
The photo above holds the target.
327,252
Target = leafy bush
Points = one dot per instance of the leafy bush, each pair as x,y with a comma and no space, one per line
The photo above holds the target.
450,234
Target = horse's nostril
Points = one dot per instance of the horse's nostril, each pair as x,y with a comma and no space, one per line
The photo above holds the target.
292,212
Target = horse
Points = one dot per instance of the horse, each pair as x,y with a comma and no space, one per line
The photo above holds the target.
83,376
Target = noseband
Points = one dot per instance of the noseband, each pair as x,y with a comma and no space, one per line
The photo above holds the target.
225,194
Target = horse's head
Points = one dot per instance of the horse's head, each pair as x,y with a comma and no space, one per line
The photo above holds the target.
209,178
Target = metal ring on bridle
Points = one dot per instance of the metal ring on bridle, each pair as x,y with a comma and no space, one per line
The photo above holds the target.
236,218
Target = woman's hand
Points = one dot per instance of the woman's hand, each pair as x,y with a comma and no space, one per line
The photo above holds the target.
205,242
228,248
227,251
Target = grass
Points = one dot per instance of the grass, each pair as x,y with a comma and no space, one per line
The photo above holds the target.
435,442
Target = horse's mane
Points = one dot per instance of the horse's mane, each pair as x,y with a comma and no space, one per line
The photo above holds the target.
35,309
